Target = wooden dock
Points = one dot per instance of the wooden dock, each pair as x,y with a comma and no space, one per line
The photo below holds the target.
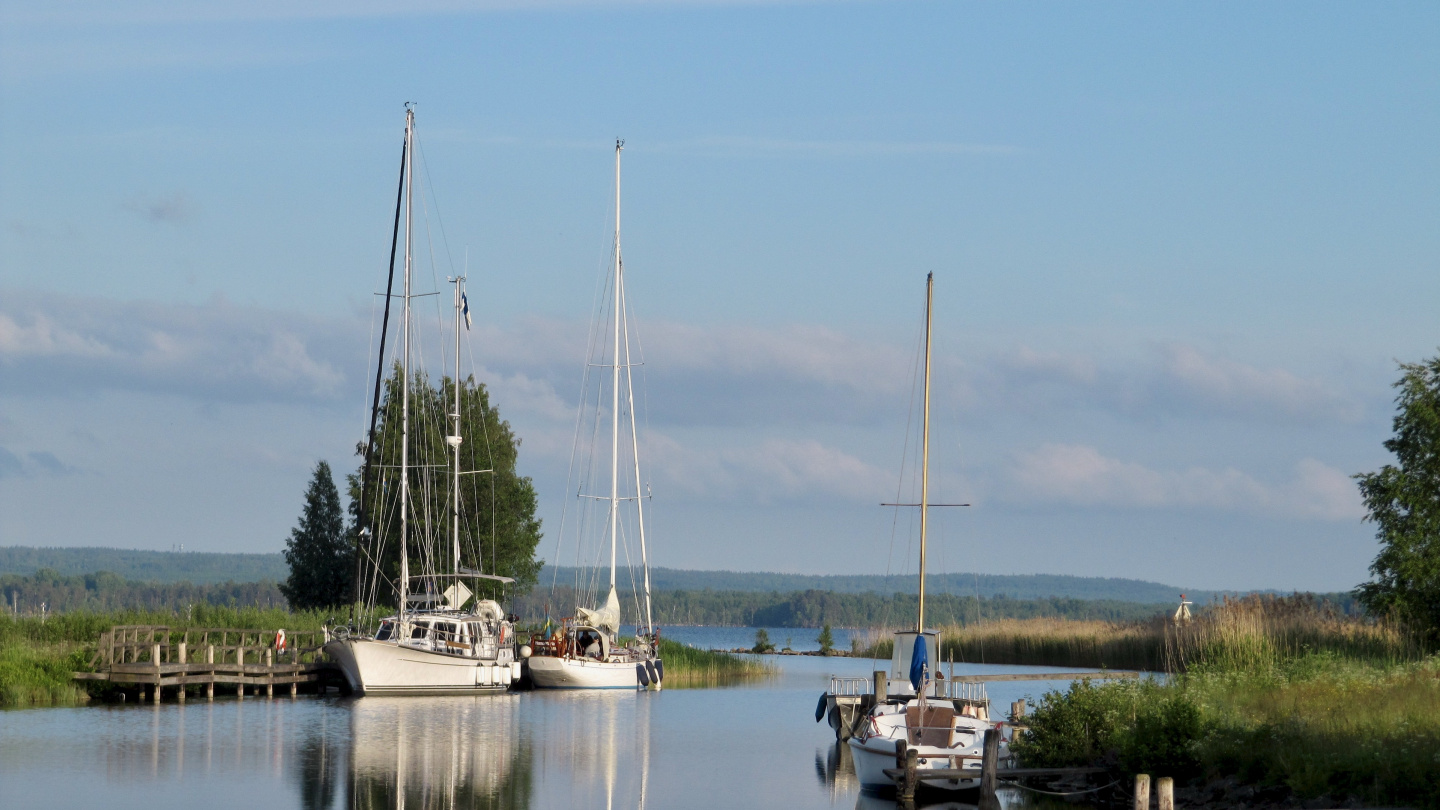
156,658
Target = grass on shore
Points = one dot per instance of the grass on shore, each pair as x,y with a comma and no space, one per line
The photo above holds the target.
689,667
1273,691
37,657
1256,632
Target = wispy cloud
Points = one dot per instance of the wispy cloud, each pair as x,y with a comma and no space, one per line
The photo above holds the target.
174,208
1079,475
33,464
765,471
212,351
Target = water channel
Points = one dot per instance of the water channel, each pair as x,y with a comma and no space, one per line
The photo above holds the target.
755,745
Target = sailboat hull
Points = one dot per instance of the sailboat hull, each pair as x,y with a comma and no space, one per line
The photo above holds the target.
551,672
385,668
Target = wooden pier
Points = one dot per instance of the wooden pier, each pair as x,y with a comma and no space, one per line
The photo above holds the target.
157,658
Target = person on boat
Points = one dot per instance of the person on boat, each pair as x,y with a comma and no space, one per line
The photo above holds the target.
592,645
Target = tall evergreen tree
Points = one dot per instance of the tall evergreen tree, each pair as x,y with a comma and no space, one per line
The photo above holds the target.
1404,503
498,527
320,554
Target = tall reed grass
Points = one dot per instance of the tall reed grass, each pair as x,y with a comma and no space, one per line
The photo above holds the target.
691,667
1255,632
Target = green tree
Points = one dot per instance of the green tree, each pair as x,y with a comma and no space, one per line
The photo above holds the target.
319,552
827,640
762,642
1403,501
498,528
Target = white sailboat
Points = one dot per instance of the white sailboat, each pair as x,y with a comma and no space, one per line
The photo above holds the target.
943,721
585,653
440,641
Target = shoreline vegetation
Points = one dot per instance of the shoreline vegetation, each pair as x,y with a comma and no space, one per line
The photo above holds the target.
1270,701
38,654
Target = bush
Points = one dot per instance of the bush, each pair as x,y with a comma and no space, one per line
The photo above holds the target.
762,642
1139,726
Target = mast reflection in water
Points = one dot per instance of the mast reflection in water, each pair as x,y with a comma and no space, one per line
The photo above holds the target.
477,752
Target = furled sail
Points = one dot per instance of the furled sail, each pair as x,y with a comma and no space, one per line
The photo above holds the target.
606,618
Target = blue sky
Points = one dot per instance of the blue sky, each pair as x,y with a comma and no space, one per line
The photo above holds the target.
1178,251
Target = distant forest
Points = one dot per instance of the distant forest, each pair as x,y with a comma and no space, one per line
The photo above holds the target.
106,591
814,608
209,567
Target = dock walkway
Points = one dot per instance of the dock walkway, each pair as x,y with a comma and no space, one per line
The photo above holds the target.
156,658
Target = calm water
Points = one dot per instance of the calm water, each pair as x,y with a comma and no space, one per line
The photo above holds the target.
750,746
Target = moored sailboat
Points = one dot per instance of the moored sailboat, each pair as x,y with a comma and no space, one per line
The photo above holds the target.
943,722
443,639
585,651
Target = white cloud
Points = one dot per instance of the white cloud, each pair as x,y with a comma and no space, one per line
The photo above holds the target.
770,470
210,351
1079,475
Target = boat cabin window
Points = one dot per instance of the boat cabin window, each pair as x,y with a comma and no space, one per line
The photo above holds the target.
475,630
387,629
420,630
445,631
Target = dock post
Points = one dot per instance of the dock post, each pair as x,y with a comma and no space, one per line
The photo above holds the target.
155,659
210,684
240,660
270,676
294,688
911,779
989,762
1165,787
184,659
1142,791
881,685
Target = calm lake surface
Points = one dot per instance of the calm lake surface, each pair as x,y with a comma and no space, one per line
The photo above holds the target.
747,746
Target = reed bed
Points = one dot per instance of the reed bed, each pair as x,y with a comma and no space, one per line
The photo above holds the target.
689,667
1255,632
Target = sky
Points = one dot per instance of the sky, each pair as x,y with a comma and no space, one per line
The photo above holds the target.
1178,250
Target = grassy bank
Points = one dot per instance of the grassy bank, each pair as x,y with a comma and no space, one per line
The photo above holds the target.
1236,634
38,656
1280,694
689,667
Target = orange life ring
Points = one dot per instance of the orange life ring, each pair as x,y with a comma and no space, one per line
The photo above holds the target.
280,640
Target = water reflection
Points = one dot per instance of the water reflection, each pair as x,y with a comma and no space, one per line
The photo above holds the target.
434,753
481,752
836,771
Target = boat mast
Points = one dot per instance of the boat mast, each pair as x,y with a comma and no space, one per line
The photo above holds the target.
635,451
405,370
925,451
615,382
455,439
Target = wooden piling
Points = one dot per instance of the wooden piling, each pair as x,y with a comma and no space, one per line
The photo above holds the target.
269,679
881,685
911,780
989,763
210,684
155,660
1165,787
1142,791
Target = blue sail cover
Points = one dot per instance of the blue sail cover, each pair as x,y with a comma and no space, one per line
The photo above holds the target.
919,663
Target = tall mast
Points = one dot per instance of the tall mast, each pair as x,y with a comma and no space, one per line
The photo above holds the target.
615,382
405,370
635,454
455,439
925,451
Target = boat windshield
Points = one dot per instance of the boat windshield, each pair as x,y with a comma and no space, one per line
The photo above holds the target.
387,629
420,630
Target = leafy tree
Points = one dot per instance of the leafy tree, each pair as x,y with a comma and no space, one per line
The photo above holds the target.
762,642
320,554
1404,503
827,640
498,528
